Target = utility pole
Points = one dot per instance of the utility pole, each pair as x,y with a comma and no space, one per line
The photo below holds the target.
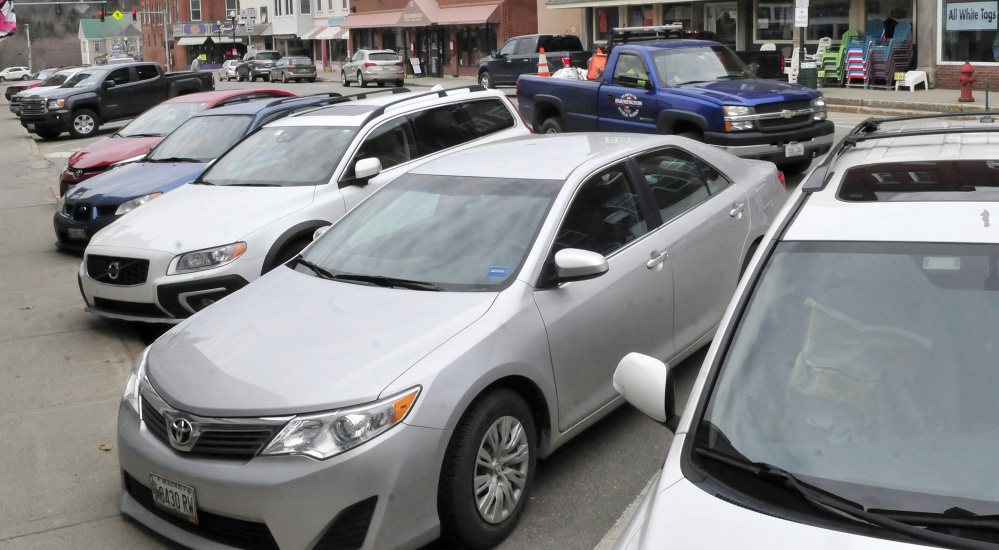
27,32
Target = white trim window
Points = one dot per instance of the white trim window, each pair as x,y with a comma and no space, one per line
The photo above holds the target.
963,38
774,20
195,10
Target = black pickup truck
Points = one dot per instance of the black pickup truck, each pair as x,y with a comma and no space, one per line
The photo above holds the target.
520,55
103,94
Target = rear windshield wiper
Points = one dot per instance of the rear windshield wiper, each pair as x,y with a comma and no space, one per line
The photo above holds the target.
380,280
844,507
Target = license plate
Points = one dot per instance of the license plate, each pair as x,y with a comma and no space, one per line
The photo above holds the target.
174,497
31,126
794,150
76,233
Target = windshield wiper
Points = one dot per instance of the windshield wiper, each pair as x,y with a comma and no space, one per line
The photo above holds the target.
894,522
255,185
380,280
201,182
320,272
139,135
176,159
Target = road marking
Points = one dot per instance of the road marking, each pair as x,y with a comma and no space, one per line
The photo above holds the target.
615,532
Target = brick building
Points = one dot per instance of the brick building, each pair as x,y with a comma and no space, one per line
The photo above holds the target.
447,37
180,16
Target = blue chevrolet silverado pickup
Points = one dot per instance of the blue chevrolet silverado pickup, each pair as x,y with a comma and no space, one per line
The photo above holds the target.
695,88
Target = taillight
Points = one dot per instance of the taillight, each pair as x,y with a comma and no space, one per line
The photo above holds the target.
400,64
290,67
369,64
780,176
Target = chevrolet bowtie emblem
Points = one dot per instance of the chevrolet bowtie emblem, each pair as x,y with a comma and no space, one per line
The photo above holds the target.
786,114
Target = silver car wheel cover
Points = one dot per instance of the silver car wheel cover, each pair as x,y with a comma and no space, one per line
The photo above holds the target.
501,469
83,124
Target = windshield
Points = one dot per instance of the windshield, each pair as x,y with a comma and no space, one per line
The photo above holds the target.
283,156
86,78
459,233
202,138
58,79
869,370
678,66
162,119
44,75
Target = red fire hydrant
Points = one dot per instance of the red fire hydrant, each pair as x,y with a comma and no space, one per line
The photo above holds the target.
966,80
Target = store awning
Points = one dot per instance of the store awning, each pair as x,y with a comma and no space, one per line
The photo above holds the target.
372,20
485,13
331,33
311,33
192,40
563,4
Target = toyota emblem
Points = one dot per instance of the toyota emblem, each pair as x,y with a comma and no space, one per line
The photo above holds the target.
114,269
180,431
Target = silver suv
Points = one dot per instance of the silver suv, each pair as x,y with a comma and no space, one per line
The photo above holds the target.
378,66
848,398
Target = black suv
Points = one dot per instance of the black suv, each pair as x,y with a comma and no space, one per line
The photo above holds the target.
256,65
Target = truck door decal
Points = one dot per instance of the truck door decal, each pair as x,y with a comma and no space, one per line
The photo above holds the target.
628,105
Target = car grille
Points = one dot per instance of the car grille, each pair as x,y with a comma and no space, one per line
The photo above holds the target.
129,308
777,124
237,533
117,271
33,106
219,439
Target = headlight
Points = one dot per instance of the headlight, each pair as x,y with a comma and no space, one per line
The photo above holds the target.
325,435
128,206
207,258
735,111
820,105
56,103
134,378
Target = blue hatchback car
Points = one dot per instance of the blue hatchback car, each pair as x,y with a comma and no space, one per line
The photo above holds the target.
178,159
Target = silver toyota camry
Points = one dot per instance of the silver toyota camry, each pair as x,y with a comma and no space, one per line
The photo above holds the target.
398,380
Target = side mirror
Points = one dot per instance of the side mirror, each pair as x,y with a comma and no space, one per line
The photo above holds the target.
573,264
107,84
365,168
647,383
495,54
319,232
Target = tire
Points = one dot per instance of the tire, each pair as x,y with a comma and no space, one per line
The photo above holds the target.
266,78
24,77
228,78
313,79
84,123
343,79
360,80
485,80
381,84
399,83
503,413
49,134
796,167
552,125
253,78
1,79
284,77
239,77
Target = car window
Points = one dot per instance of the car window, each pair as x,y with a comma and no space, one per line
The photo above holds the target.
283,61
488,116
675,180
525,46
358,56
301,61
162,119
203,138
383,56
391,143
146,72
632,65
85,78
441,127
120,76
509,47
605,214
561,43
716,180
677,66
269,56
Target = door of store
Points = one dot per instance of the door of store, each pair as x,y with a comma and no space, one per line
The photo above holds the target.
432,52
723,20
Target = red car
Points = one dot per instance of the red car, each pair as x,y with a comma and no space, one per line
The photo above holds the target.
28,84
147,130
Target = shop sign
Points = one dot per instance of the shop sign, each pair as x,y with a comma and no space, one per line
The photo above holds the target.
972,16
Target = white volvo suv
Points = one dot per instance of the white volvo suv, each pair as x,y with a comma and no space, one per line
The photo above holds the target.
263,200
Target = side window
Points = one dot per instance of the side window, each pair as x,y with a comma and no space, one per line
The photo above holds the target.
441,127
629,65
605,214
146,72
358,56
525,46
676,181
509,47
392,143
488,117
715,180
119,76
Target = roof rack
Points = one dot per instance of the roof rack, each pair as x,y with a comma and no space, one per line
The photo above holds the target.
869,129
624,35
439,93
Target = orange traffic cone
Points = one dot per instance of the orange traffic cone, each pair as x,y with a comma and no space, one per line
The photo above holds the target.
543,64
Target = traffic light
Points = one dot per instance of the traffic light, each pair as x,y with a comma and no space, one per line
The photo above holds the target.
101,15
133,15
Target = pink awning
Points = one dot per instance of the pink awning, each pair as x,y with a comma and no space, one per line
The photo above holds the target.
372,20
485,13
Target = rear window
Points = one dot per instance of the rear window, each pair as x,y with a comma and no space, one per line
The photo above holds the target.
955,180
383,56
561,43
301,61
270,56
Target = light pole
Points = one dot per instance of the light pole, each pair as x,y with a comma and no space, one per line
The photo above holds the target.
232,17
27,33
218,28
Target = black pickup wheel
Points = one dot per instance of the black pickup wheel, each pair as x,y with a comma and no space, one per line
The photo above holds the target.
552,125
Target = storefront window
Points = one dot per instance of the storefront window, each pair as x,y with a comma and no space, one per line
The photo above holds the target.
306,6
678,13
639,16
828,18
774,21
475,43
969,38
604,20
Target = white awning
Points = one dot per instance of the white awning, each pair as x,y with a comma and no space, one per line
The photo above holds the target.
192,40
311,33
227,39
564,4
331,33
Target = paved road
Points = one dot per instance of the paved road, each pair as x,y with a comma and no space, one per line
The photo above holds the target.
62,372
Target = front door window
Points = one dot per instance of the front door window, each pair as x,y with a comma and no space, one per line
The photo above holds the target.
722,19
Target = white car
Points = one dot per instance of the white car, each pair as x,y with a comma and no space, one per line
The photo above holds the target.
848,398
261,202
14,73
227,71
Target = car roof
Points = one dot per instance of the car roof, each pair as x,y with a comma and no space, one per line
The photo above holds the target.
939,217
215,96
257,105
543,156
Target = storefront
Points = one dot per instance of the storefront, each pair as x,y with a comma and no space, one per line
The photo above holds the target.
967,32
213,42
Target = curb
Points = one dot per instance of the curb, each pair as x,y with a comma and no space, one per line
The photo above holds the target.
864,105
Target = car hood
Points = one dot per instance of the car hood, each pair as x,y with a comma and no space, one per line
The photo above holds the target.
34,90
110,150
292,343
134,180
748,91
201,216
684,516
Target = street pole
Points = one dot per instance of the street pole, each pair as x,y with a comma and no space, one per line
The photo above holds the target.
27,32
166,42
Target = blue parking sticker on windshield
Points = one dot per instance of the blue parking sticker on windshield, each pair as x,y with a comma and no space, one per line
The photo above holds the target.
498,272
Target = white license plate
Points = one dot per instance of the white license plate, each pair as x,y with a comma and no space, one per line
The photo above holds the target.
31,126
76,233
174,497
794,150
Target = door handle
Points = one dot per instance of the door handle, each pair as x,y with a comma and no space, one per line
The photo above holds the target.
610,97
737,209
657,258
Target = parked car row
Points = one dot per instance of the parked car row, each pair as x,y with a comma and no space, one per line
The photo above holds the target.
297,68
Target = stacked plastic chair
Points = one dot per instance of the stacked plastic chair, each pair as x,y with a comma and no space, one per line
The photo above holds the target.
887,56
832,62
857,63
